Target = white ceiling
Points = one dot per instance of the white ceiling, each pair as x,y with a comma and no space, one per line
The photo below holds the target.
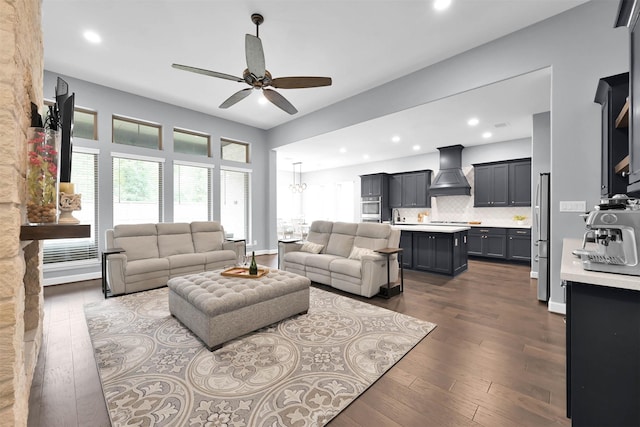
360,44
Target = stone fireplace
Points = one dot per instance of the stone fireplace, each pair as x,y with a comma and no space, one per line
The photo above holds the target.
21,300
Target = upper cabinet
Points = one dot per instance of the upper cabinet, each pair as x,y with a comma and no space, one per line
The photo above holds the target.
374,185
520,183
410,190
501,184
612,94
491,185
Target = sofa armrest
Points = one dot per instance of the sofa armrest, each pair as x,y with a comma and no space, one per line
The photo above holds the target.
286,247
374,272
116,272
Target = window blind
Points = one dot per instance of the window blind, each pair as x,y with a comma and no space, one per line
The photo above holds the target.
192,199
137,190
84,175
234,203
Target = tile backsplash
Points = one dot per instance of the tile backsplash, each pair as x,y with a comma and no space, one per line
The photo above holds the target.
460,208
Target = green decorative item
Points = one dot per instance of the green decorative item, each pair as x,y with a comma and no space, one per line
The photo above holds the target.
43,146
253,267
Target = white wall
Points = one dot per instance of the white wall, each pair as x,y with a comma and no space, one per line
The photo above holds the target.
580,45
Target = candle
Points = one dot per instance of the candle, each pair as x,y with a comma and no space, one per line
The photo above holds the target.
66,187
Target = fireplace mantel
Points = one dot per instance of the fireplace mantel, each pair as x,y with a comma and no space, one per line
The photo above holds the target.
54,231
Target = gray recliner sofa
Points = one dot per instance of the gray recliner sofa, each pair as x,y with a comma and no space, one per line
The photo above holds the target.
346,259
154,253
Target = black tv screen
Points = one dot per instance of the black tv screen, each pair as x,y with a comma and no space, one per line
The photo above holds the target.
65,105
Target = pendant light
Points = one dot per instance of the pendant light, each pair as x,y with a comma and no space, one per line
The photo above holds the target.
297,186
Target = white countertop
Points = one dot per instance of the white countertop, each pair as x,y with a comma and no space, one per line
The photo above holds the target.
509,224
432,228
571,270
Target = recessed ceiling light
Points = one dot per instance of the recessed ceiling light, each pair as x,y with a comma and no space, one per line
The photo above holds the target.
416,147
365,156
487,135
343,150
473,121
92,36
395,138
441,4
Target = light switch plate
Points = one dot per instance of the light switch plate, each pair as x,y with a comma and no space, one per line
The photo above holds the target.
573,206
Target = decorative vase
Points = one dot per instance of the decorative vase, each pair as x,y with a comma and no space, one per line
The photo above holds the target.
43,146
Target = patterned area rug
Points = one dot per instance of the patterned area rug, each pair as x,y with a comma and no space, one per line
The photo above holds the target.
302,371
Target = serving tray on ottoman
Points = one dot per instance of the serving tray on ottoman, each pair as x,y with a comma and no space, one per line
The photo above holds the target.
219,308
244,272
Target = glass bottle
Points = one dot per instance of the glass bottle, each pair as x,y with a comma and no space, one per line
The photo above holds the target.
253,267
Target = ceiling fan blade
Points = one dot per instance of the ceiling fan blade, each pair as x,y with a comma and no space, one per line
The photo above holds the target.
279,101
207,72
236,97
300,82
255,56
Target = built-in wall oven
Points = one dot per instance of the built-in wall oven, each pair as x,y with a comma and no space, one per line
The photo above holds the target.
371,209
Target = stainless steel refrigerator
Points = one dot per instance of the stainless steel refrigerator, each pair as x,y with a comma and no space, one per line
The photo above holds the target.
543,224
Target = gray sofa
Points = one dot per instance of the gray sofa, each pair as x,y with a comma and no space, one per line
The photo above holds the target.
154,253
346,259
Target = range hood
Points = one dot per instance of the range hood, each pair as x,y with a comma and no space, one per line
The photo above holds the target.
450,181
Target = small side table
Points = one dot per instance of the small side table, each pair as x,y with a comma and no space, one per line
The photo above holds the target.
388,291
105,255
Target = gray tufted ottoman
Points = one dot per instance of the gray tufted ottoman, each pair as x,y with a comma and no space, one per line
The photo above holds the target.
218,308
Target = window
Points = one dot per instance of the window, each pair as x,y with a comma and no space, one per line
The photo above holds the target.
135,132
84,175
85,124
190,142
191,193
234,203
85,121
234,151
137,189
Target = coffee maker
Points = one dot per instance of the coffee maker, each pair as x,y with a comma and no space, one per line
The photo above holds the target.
614,226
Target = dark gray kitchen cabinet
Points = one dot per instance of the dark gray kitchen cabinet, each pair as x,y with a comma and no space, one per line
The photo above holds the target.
520,183
374,185
611,94
603,350
519,244
500,184
489,242
491,188
444,253
433,252
395,191
406,243
410,190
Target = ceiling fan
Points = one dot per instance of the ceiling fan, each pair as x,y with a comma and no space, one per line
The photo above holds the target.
256,76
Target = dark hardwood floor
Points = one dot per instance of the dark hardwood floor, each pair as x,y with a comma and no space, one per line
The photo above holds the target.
497,357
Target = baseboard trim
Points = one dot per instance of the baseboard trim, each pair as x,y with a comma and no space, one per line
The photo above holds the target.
71,278
557,307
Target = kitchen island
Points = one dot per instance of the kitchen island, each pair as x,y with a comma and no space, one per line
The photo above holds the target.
435,248
603,343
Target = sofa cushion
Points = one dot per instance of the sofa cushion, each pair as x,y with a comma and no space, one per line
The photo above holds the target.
357,253
319,232
207,236
174,239
312,248
348,267
140,241
372,236
185,260
321,261
158,266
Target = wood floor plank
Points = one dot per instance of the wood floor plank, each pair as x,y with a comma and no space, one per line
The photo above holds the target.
496,358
